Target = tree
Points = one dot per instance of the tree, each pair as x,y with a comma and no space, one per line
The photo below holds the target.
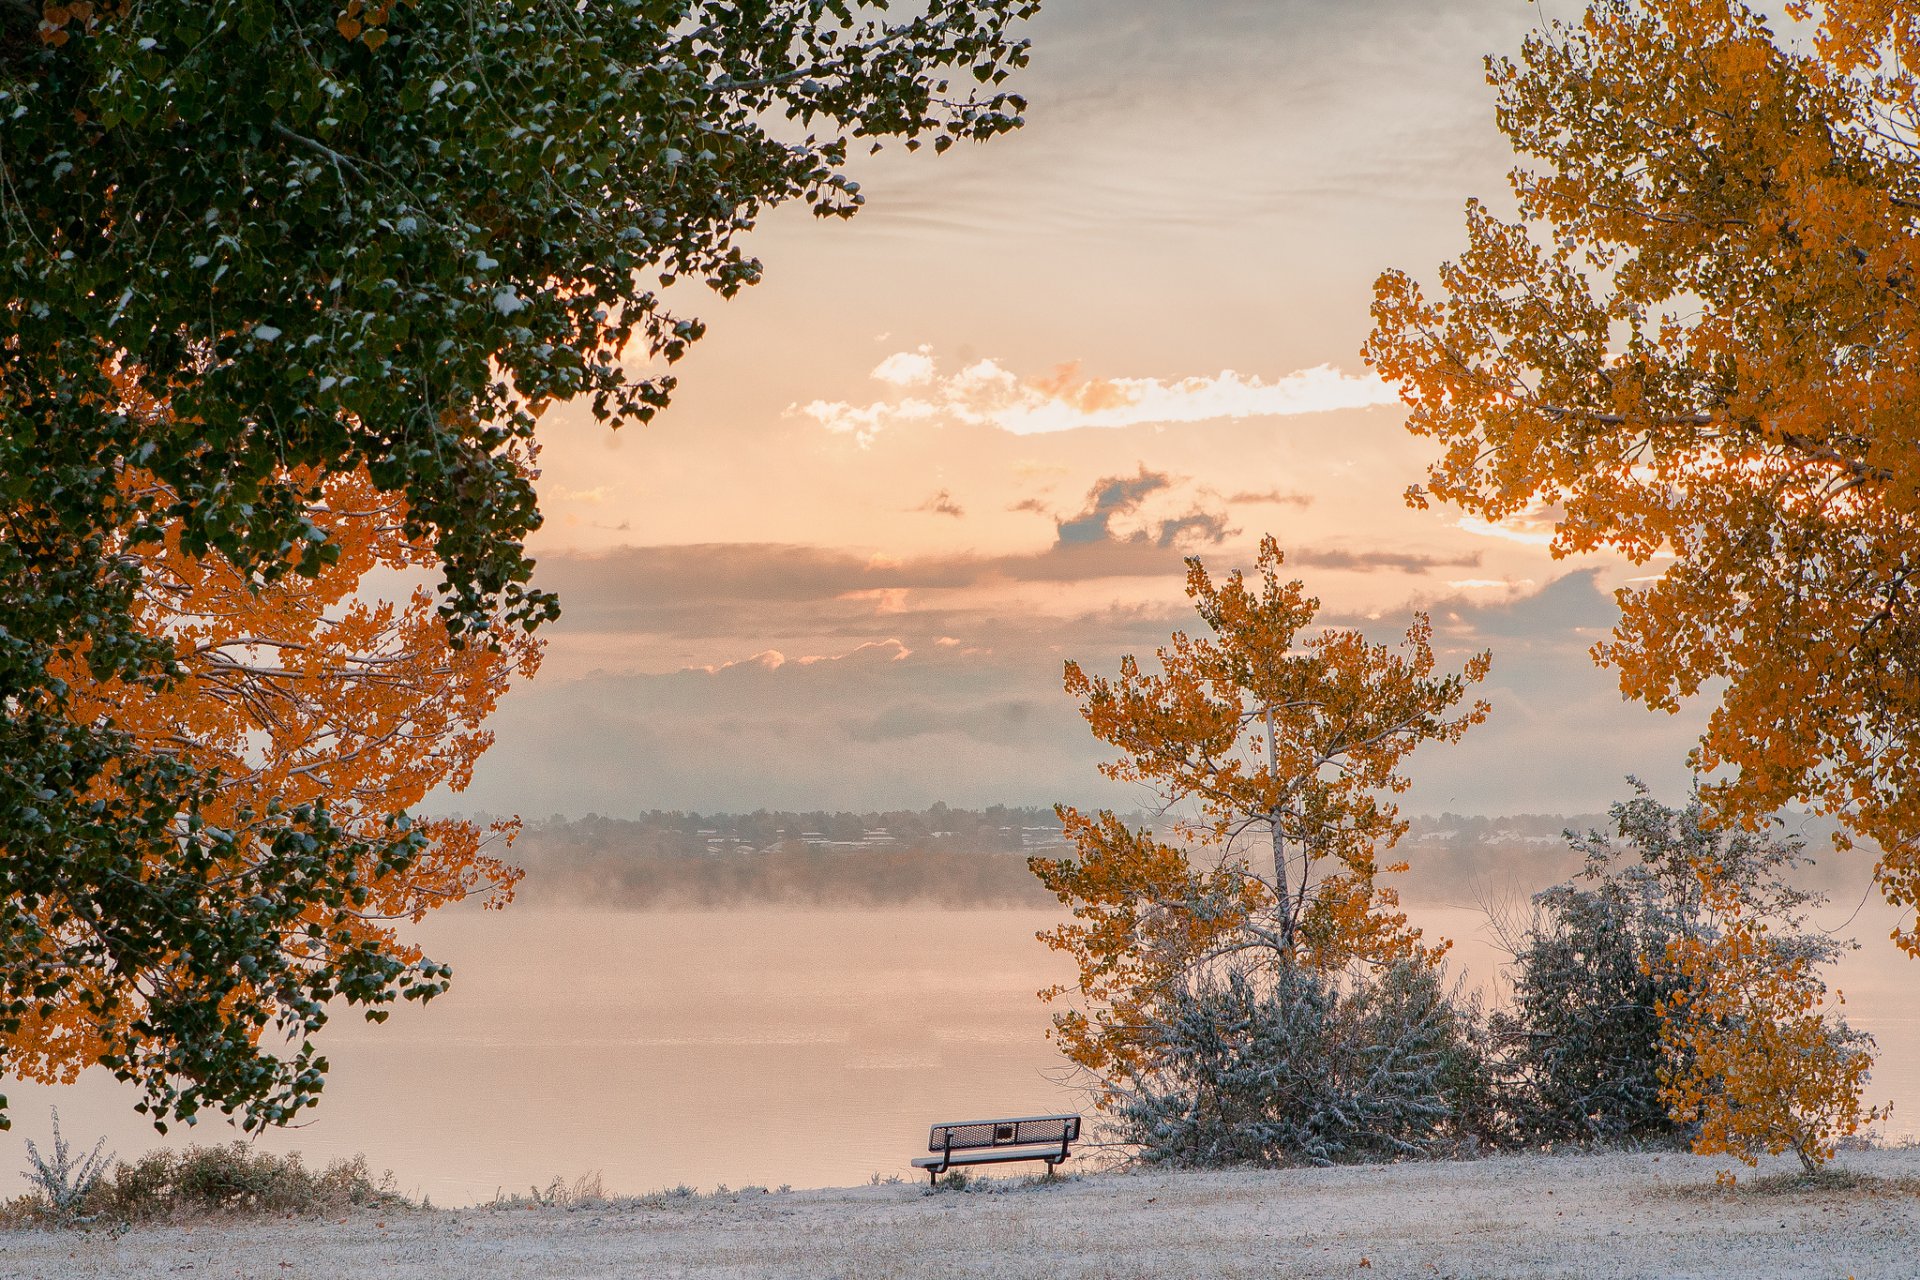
1581,1039
309,696
1677,991
1752,1054
1696,340
1274,740
1579,1045
323,236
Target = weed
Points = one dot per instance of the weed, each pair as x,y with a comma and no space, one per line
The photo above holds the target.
65,1183
584,1192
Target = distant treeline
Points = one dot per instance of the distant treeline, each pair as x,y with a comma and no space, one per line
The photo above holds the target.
949,857
940,855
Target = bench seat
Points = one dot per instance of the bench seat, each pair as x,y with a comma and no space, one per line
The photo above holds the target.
971,1142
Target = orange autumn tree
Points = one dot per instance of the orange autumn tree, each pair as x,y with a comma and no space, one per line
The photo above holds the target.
1276,745
1698,343
315,700
1751,1053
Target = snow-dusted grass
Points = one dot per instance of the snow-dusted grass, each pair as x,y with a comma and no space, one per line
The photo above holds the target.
1520,1216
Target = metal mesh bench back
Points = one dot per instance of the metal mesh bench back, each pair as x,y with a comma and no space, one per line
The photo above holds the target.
1024,1131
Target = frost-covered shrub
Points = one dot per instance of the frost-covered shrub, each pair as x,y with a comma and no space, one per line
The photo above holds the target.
1580,1053
1295,1066
63,1182
1580,1041
201,1181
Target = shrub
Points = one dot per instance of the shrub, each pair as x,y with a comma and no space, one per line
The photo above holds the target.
1673,992
587,1191
1299,1067
1755,1058
1579,1047
230,1179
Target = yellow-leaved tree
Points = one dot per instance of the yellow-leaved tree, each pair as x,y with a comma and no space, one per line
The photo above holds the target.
1275,746
1752,1055
312,705
1698,343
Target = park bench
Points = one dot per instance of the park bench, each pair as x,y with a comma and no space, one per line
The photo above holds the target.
992,1141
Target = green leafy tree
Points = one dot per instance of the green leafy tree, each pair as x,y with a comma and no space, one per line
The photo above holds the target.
324,235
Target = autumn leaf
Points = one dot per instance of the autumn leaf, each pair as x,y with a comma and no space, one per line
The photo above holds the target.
1697,343
1279,746
1752,1057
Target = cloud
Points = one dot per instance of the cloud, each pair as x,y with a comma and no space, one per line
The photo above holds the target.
1569,612
1123,496
906,368
1003,721
986,393
760,589
1534,527
595,495
1250,498
1195,528
1110,497
890,650
942,504
1374,561
857,726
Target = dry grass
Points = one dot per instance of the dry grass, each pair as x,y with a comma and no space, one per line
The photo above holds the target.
1615,1215
220,1181
1829,1180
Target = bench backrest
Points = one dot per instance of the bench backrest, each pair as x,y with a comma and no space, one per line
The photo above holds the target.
1020,1131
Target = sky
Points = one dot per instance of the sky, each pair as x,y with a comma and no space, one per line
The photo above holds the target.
975,431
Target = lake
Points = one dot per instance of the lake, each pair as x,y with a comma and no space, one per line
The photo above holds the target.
743,1047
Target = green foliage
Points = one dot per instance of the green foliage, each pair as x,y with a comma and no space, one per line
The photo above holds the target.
317,252
321,234
1303,1068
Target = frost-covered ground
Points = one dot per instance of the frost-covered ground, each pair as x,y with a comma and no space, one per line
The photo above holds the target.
1532,1216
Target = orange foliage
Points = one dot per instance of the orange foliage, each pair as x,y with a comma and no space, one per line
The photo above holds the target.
1749,1053
1701,339
1264,738
304,691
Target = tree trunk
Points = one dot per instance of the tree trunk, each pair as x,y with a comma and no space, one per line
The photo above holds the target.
1281,890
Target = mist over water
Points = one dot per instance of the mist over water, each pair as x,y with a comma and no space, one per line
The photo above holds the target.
739,1047
746,1046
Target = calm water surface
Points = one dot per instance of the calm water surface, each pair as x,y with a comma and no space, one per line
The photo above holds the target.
739,1047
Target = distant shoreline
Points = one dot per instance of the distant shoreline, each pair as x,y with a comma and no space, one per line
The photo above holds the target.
950,859
936,858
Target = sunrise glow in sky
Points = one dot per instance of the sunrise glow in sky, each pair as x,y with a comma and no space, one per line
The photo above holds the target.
974,432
